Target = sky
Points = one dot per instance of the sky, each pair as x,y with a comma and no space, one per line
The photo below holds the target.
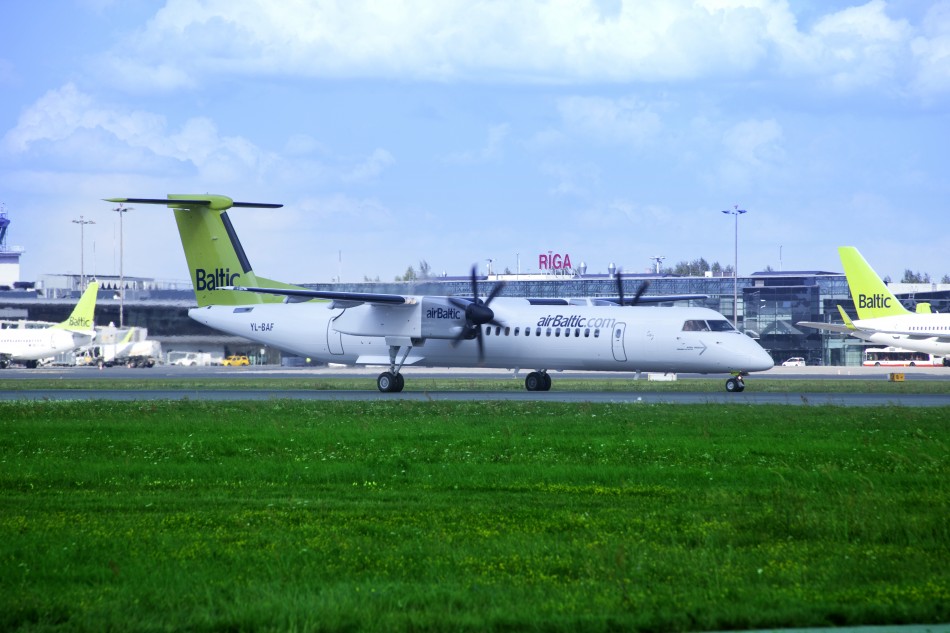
461,131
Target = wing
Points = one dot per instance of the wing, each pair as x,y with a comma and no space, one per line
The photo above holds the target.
831,327
915,334
339,299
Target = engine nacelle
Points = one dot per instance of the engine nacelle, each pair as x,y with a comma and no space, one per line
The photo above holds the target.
431,317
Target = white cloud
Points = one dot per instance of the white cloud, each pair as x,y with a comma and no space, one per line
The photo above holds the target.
577,41
755,142
72,126
753,150
859,46
491,150
370,168
626,120
931,52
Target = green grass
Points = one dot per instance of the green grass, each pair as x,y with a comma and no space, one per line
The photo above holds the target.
368,383
402,516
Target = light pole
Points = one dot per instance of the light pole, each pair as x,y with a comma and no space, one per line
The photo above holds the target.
121,211
736,211
82,222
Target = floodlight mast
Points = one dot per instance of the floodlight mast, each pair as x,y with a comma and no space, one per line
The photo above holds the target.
121,210
82,222
735,211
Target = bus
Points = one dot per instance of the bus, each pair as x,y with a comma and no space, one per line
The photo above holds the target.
897,357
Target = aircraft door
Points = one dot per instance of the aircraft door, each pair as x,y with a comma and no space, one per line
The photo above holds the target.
616,342
334,339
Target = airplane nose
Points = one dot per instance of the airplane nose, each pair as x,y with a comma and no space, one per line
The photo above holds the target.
759,359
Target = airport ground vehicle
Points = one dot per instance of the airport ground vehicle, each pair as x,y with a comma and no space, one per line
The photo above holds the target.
794,361
236,360
897,357
131,348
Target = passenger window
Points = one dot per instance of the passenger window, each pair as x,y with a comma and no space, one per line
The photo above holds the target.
596,332
537,332
507,331
517,331
557,331
548,332
587,332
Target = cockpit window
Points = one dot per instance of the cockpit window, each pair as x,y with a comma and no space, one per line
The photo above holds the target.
720,325
695,325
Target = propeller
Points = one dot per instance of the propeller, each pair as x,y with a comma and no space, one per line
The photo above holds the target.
636,297
477,313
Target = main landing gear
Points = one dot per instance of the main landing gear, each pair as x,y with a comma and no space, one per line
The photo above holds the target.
537,381
735,384
392,381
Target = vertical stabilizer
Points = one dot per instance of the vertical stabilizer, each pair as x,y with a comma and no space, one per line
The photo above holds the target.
872,297
82,317
214,253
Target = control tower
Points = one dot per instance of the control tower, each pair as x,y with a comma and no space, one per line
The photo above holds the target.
9,255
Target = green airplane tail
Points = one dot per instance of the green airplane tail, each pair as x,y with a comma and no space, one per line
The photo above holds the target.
83,315
872,297
212,249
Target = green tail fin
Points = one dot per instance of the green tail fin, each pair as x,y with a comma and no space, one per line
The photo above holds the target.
82,317
872,298
212,248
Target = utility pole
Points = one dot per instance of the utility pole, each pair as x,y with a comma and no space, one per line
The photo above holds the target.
736,211
658,259
82,222
121,211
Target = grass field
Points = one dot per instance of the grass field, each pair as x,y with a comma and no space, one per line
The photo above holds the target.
402,516
914,385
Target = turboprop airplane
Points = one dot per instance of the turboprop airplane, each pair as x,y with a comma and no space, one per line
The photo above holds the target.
881,317
29,345
444,331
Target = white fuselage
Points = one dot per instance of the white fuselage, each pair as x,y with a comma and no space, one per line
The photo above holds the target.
928,333
26,344
537,337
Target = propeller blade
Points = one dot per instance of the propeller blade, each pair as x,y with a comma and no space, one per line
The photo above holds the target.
495,292
643,288
619,287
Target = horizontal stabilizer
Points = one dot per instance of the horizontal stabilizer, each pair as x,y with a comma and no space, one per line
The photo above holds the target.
213,202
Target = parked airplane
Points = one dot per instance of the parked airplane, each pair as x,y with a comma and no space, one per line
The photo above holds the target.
29,345
444,331
881,317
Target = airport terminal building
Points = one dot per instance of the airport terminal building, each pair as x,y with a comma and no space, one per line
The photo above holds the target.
768,305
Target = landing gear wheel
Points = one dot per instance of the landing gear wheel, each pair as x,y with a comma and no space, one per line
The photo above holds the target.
389,382
735,385
537,381
534,381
